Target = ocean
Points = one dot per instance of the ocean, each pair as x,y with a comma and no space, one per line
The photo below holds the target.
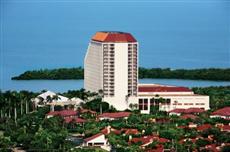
39,34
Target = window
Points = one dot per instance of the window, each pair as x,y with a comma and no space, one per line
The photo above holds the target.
152,102
146,101
140,104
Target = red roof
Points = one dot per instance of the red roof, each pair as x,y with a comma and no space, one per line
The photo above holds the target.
143,140
106,131
74,120
149,139
131,132
188,116
163,140
178,110
93,137
188,111
194,110
224,127
63,113
88,111
115,115
106,36
204,127
154,88
222,112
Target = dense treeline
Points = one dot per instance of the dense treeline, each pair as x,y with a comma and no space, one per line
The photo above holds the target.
78,73
193,74
52,74
219,96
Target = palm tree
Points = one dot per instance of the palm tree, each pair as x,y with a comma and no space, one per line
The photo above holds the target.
41,101
8,102
14,97
2,104
131,106
101,94
135,106
49,99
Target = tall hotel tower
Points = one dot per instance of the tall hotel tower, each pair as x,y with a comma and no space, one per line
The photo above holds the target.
111,65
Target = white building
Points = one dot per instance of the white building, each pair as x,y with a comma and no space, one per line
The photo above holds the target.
111,65
44,98
97,140
174,98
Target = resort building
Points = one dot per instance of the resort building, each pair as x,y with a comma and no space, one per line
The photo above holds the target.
111,65
169,98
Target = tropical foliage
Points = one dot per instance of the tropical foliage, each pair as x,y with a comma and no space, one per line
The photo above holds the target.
78,73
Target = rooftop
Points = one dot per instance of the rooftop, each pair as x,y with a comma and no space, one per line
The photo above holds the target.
115,115
158,88
63,113
113,36
222,112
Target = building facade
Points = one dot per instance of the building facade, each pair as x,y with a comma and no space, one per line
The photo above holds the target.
167,98
111,65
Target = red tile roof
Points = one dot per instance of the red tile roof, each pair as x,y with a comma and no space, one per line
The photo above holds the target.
187,111
224,128
88,111
188,116
163,140
154,88
177,110
93,137
148,139
113,37
74,120
115,115
144,140
63,113
194,110
222,112
106,131
204,127
131,132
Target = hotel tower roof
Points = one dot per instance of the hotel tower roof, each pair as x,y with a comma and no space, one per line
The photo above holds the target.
111,36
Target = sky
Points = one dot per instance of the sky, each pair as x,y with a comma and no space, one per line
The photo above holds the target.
188,34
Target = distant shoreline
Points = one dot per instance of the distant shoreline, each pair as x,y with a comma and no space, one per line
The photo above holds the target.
212,74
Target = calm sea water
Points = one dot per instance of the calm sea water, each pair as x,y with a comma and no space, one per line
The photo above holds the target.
55,33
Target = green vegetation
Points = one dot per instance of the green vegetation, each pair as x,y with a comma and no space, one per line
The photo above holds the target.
22,125
54,74
78,73
219,96
193,74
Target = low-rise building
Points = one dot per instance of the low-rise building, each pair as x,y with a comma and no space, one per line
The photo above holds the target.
168,98
97,140
221,113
